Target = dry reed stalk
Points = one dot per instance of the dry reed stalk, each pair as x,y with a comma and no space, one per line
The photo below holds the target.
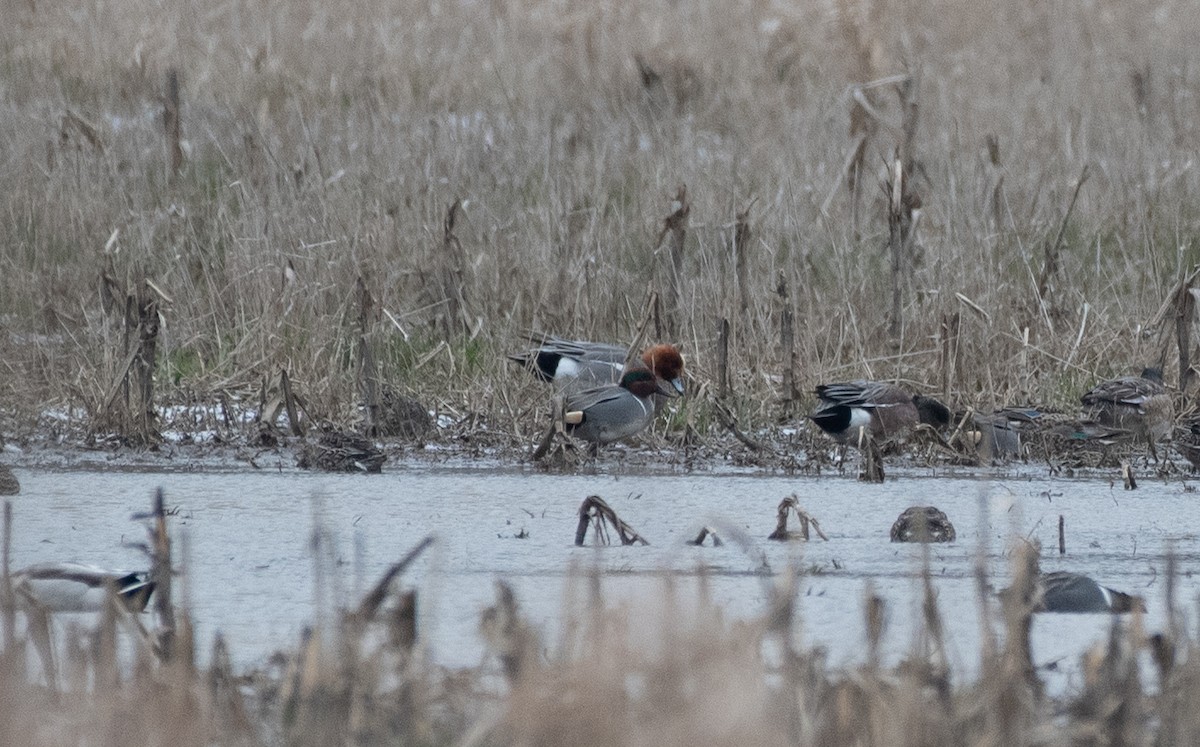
1185,316
173,123
723,360
1052,255
857,24
368,371
453,266
894,187
741,248
787,344
995,170
675,225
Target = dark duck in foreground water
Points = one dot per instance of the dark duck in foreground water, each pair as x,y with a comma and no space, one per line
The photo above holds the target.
1061,591
886,411
1138,404
578,364
76,587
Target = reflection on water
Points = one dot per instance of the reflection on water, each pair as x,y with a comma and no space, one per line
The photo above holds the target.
247,540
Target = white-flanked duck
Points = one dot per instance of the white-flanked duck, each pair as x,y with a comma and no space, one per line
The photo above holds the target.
78,587
885,410
1062,591
573,365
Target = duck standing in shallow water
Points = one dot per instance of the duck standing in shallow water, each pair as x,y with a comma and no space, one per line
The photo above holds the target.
76,587
885,410
573,365
1139,404
608,413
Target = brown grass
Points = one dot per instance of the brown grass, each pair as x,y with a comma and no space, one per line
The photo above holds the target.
322,144
665,672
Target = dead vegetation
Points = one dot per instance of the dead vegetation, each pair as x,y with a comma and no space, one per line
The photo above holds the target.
997,220
671,671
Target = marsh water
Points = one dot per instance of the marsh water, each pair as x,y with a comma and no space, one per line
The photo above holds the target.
252,572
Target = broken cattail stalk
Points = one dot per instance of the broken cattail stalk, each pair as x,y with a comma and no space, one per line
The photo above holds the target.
289,403
705,533
370,603
872,460
596,513
788,506
1128,476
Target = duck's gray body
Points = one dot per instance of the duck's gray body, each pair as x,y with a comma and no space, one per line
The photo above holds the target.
609,413
77,587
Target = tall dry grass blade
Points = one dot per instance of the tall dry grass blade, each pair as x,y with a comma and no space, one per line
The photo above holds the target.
675,226
8,604
173,123
368,372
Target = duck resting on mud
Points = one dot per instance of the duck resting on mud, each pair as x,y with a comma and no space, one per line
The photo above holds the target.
1138,404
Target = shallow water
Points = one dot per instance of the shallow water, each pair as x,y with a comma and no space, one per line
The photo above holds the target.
248,547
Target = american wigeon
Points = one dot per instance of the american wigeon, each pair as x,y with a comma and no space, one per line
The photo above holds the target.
885,410
578,364
76,587
1139,404
607,413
